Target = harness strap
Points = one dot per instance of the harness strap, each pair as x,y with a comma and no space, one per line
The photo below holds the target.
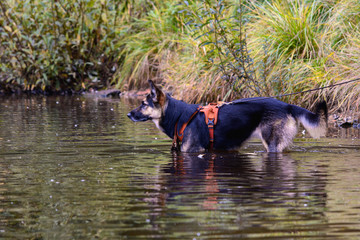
211,116
178,135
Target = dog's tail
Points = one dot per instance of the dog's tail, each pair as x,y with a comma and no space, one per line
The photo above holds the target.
314,123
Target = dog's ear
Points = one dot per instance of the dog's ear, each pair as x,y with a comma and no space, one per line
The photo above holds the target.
156,94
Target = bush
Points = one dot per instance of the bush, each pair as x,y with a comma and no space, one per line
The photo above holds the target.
218,27
57,45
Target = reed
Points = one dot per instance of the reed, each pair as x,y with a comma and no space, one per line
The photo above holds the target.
145,45
300,45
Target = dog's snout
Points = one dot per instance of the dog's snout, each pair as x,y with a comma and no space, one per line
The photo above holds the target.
136,116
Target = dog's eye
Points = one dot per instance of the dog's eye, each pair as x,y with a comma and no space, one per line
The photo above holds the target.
144,104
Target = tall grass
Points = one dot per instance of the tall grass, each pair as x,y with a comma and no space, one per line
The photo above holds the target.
292,27
297,45
146,45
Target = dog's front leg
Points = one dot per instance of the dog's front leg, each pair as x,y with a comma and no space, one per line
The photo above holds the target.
175,145
191,145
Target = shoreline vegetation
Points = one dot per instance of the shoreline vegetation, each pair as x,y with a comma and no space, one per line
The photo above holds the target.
201,51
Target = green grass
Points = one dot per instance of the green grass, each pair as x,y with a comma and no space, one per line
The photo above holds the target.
300,45
146,45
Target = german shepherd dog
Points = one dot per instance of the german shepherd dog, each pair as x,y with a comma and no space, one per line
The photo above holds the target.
273,121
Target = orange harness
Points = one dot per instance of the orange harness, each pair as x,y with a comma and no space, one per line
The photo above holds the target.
211,116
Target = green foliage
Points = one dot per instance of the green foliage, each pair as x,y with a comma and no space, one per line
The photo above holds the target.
292,27
57,45
146,43
219,26
297,43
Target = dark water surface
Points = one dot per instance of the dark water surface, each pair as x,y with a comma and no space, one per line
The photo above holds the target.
78,168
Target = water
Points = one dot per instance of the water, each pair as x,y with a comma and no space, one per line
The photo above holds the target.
77,168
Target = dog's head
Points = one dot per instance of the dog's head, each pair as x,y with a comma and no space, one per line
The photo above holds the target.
152,107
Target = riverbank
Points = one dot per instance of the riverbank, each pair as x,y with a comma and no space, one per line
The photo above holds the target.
196,50
337,118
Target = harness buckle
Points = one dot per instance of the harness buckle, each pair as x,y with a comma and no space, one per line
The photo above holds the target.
211,116
211,122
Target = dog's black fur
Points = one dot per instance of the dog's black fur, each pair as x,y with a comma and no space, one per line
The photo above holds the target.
274,121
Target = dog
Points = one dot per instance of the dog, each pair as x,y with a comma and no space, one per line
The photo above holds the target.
273,121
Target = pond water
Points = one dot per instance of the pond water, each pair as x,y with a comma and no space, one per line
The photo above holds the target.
78,168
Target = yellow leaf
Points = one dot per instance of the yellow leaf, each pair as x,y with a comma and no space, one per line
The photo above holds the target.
8,28
89,23
104,18
83,85
16,32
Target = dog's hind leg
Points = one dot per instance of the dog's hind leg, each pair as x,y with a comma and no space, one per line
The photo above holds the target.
270,138
278,135
289,132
